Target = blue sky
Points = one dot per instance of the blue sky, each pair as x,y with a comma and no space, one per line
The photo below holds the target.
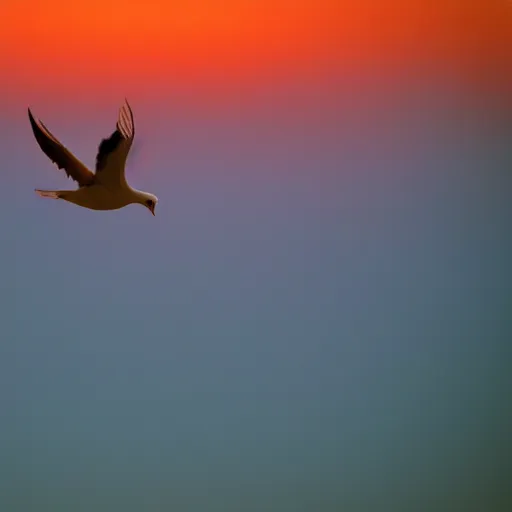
316,319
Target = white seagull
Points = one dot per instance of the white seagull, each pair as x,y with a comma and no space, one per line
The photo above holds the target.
105,189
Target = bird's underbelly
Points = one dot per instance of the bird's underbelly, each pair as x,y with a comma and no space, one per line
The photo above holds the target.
97,197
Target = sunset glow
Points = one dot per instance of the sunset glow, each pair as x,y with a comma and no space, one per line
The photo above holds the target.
63,43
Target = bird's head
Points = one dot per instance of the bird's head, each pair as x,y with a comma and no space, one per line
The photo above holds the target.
149,201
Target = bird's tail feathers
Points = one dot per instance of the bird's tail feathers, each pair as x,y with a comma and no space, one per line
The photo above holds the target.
52,194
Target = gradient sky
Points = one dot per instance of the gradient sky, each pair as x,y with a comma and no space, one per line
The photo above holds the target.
318,317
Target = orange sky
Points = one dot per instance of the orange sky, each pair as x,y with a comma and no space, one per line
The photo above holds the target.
61,43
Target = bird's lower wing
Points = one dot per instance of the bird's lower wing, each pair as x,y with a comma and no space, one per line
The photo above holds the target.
59,155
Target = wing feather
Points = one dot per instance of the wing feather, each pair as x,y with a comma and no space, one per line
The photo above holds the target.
113,151
59,154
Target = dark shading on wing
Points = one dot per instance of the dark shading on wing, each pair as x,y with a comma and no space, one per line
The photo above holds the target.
113,151
107,146
59,155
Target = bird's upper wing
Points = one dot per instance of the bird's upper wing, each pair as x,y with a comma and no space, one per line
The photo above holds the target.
112,152
59,155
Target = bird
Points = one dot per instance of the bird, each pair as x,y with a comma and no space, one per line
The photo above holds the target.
106,188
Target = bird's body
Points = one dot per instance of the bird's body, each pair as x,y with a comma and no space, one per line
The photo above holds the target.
94,197
107,188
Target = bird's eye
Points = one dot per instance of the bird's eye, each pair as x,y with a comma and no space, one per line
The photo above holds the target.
149,203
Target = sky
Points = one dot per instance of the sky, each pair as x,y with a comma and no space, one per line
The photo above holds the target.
318,316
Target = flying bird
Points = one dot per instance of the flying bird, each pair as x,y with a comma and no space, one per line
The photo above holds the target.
106,188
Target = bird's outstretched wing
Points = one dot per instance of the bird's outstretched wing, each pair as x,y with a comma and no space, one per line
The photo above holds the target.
59,154
112,152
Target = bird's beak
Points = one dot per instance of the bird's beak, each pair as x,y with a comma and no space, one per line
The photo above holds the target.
152,210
